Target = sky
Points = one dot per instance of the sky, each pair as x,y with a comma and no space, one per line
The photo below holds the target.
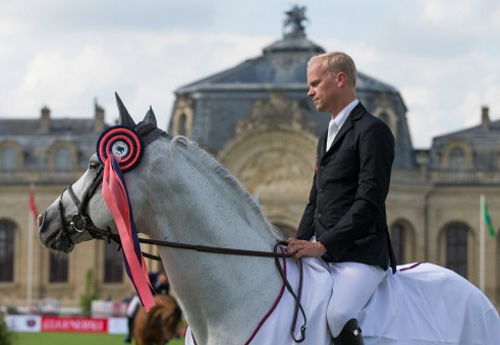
442,55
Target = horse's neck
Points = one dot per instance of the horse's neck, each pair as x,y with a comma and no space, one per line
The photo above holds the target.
218,293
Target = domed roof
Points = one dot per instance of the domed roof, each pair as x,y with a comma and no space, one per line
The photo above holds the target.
218,103
282,65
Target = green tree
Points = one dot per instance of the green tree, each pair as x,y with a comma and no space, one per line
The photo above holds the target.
90,293
6,335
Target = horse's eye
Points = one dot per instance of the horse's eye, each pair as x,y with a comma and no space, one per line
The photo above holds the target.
94,165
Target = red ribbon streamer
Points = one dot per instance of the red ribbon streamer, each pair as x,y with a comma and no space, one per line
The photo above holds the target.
115,196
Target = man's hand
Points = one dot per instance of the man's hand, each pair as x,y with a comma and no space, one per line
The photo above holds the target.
301,248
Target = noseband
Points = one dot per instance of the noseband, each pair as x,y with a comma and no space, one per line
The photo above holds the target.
81,221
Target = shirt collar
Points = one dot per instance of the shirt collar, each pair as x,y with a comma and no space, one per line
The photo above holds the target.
344,113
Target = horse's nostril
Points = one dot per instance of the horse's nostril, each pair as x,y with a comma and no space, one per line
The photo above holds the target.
40,220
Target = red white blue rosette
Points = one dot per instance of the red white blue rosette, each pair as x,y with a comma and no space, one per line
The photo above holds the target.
120,149
124,144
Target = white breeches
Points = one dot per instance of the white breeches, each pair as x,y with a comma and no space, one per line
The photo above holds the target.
353,285
132,306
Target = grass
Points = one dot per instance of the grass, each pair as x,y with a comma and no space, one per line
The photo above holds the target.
56,338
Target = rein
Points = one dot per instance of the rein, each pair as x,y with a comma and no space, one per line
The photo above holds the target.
81,221
252,253
242,252
217,250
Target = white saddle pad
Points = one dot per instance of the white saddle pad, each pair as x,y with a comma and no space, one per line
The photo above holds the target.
422,304
427,304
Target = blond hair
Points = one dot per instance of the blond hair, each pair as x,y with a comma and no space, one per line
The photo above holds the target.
335,62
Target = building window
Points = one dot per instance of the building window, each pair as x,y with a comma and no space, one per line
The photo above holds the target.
62,159
384,117
398,242
456,248
182,127
113,264
385,113
6,251
58,268
457,159
9,159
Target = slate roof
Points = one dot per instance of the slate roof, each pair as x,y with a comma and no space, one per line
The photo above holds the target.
34,140
282,65
475,133
483,139
16,127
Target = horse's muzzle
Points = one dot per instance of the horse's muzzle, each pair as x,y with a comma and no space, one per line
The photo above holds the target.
52,237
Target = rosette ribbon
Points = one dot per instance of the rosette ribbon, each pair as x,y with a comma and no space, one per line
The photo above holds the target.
114,192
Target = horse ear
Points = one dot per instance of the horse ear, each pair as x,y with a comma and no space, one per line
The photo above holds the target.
125,118
150,117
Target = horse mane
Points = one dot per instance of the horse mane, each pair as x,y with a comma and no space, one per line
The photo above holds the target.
210,163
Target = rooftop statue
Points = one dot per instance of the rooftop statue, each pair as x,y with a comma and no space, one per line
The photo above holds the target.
294,18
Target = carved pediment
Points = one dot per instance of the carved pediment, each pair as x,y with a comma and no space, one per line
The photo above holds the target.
278,169
275,113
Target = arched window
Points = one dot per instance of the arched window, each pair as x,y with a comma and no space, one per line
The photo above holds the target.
113,264
9,159
384,117
58,268
398,242
6,251
457,159
390,118
62,159
456,248
182,126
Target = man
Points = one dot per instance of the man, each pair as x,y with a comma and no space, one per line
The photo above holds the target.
344,221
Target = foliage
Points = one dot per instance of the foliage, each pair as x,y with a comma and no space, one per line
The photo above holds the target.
90,293
6,335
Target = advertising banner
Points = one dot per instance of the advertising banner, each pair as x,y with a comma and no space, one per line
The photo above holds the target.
37,323
74,324
23,323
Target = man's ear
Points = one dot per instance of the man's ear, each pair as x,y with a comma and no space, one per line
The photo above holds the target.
341,79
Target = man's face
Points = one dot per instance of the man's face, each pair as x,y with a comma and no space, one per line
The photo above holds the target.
323,88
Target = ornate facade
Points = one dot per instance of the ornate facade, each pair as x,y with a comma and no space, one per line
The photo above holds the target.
256,119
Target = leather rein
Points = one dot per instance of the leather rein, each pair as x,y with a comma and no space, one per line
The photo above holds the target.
81,221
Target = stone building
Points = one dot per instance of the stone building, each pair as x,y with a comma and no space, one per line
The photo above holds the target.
256,119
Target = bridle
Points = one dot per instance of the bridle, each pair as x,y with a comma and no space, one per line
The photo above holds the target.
81,222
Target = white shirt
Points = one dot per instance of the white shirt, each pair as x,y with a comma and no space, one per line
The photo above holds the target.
337,122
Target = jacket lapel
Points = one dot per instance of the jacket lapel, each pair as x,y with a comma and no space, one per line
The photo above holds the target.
353,116
322,146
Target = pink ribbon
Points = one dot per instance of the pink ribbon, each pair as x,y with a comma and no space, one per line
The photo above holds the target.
115,195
